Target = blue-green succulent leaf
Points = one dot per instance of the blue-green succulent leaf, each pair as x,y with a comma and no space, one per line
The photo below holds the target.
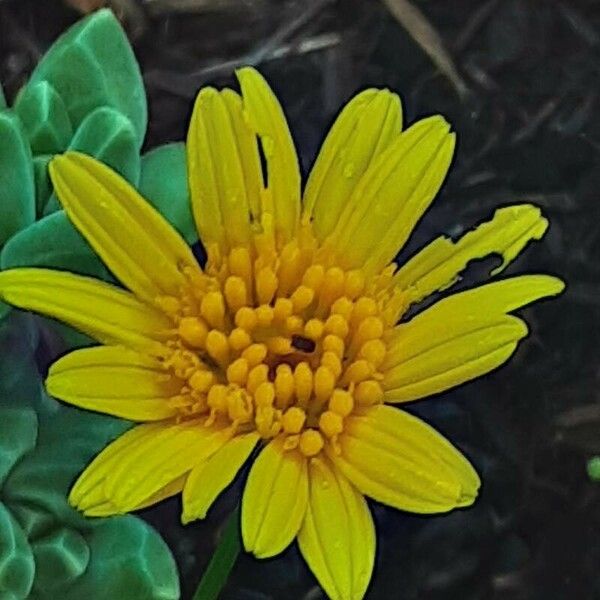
109,136
54,243
44,117
17,190
142,567
93,65
61,557
43,185
17,567
164,183
18,434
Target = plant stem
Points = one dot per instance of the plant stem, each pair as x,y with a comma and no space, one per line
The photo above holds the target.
215,577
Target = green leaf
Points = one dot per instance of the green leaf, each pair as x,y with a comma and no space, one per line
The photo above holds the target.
44,117
17,567
61,557
54,243
17,191
109,136
164,184
77,557
43,185
129,561
93,65
18,434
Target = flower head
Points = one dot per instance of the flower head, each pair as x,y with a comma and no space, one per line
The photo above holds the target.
288,340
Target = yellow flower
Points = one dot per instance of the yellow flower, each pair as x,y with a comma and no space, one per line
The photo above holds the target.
288,340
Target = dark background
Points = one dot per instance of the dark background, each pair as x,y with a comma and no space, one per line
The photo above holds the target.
526,110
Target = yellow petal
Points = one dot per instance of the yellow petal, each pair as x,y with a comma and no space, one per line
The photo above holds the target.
149,467
399,460
135,242
439,264
363,130
460,337
107,508
88,489
103,311
449,355
274,500
337,537
208,479
116,381
265,116
224,170
393,194
127,473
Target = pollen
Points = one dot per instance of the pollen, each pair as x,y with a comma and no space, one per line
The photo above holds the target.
284,343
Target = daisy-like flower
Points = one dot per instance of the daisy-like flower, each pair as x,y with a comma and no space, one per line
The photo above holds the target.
290,339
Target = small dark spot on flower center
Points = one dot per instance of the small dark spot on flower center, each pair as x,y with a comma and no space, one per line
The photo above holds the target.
303,344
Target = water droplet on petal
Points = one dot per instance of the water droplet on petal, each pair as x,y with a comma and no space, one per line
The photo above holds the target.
349,170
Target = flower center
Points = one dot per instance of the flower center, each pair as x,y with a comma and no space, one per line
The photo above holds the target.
278,342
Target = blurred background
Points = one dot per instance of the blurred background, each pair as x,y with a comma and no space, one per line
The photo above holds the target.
520,82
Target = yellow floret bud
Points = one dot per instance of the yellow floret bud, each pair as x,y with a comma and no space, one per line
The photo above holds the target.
217,346
337,325
368,393
239,339
264,421
371,328
169,304
240,263
283,309
311,442
217,397
239,408
333,285
335,344
302,297
264,315
266,285
255,354
237,371
303,382
293,420
313,277
193,331
331,360
364,307
201,381
331,424
264,394
374,351
294,324
324,382
284,385
314,329
235,292
354,284
245,318
357,371
256,376
212,308
341,402
342,306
